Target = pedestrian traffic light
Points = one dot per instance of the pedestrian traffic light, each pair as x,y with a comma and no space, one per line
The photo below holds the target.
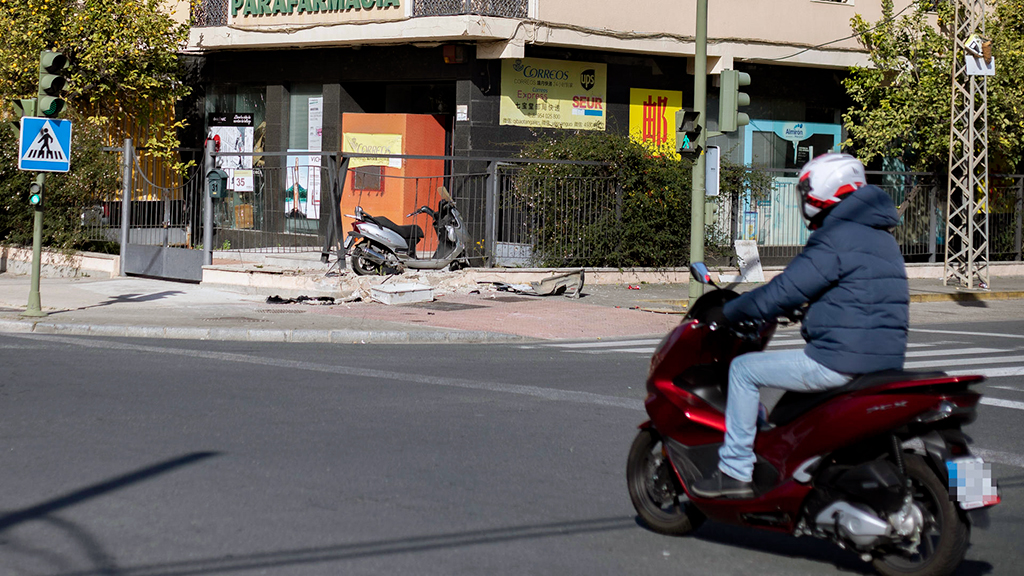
51,83
730,99
22,107
687,130
35,190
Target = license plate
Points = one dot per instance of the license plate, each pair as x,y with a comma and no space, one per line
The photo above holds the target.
348,242
970,483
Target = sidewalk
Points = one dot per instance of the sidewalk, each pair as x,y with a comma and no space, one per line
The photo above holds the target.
141,307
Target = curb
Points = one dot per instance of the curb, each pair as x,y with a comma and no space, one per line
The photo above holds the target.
263,334
966,296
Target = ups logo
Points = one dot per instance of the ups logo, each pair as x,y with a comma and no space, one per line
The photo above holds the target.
588,78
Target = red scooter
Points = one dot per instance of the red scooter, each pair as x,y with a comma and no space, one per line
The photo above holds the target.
879,466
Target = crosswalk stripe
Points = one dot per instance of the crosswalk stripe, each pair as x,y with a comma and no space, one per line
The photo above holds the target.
956,352
647,350
990,372
963,362
1002,403
606,344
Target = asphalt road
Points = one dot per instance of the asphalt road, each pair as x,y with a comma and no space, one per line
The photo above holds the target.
160,458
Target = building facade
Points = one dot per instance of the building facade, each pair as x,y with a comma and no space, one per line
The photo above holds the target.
496,73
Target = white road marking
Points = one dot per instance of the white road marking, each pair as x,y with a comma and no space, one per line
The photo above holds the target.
1002,403
648,350
990,372
958,333
534,391
1013,388
787,344
963,362
523,390
606,344
999,457
955,352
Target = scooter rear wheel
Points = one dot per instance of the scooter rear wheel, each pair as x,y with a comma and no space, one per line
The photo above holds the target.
944,537
362,266
365,267
655,491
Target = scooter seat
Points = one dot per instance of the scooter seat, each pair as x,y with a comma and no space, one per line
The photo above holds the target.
412,234
794,404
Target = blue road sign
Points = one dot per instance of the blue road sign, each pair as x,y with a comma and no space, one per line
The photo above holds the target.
45,145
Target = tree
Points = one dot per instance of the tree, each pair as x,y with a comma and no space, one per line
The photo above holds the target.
901,107
123,60
899,99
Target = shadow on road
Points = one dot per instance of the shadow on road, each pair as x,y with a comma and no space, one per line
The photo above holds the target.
806,548
40,510
126,299
229,563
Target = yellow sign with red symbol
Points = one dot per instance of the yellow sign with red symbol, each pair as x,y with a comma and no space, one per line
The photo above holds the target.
651,117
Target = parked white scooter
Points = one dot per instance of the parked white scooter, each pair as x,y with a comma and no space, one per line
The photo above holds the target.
377,245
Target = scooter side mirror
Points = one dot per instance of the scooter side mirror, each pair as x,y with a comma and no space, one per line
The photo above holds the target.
700,273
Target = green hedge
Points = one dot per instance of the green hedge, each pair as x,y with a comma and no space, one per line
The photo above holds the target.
644,222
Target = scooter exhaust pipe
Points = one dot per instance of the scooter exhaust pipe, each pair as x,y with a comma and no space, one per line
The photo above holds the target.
371,254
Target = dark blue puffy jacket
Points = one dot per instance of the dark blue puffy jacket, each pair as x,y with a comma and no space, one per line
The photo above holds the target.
852,273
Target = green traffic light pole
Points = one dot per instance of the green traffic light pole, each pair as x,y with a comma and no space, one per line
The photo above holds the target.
700,104
34,308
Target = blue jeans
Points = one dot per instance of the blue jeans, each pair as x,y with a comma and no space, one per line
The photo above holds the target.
786,370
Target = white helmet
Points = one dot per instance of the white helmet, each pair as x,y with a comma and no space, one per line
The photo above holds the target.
824,181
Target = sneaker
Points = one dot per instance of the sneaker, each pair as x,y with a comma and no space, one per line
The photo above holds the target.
721,485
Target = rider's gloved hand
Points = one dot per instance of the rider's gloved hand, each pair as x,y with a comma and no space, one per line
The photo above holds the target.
716,317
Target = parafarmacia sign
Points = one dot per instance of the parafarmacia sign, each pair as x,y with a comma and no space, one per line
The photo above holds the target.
269,7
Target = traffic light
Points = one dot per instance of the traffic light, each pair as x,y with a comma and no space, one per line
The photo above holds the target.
35,190
730,98
687,130
22,107
51,83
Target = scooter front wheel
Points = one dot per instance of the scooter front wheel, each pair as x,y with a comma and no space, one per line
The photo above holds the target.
655,491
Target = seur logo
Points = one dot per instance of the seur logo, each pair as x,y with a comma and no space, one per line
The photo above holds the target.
588,78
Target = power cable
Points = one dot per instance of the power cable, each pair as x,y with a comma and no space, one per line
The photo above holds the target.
886,21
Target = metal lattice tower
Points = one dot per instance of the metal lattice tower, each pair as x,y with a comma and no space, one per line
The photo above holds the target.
966,261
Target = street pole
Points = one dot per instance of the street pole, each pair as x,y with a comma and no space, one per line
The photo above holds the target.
35,308
700,104
208,165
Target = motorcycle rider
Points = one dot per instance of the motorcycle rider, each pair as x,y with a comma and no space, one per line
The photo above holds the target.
851,272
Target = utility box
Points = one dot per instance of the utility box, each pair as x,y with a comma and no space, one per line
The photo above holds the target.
218,183
402,293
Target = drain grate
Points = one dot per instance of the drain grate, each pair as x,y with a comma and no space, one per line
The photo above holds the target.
234,319
279,311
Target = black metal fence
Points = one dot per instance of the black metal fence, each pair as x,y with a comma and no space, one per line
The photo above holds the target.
165,208
773,219
505,8
210,13
515,216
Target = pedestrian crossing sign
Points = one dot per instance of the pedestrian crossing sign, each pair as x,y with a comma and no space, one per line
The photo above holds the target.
45,145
